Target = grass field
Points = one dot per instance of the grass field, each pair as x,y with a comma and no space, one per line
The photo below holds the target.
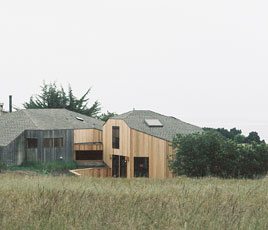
71,203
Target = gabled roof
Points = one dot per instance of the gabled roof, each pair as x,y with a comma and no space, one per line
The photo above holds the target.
171,126
13,124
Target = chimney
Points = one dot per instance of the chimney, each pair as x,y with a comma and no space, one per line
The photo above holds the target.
10,104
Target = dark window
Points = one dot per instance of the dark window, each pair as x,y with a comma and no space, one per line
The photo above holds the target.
58,142
141,166
116,139
119,166
32,143
89,155
116,165
48,142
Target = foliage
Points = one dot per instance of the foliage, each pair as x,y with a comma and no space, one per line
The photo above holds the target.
2,167
50,167
239,138
236,135
210,154
106,116
45,202
253,137
54,97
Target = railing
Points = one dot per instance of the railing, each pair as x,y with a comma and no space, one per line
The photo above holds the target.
93,172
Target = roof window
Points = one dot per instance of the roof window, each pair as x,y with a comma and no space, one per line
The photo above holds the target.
79,119
153,123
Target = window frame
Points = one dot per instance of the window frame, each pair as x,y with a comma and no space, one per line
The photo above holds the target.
116,137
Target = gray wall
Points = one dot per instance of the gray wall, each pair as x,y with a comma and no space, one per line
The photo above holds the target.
17,152
14,153
42,154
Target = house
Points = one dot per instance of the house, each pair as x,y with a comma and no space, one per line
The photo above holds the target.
134,144
137,143
45,135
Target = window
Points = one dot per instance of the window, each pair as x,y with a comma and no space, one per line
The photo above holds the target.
116,139
32,143
89,155
141,166
48,142
153,123
53,142
58,142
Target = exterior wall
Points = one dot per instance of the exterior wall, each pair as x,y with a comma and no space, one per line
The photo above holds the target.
144,145
108,150
137,144
88,140
14,153
42,154
87,136
17,152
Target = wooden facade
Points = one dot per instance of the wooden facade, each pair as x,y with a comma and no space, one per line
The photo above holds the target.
137,144
44,154
87,140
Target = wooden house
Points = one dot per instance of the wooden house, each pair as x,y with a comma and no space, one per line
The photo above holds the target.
46,135
134,144
137,143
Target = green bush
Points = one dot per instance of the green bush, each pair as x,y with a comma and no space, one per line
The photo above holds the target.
3,167
210,154
56,166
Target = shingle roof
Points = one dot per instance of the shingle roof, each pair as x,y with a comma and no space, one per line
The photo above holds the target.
13,124
171,126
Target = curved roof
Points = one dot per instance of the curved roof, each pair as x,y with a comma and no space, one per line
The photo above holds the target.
13,124
171,126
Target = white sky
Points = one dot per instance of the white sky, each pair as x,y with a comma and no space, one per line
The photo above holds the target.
204,62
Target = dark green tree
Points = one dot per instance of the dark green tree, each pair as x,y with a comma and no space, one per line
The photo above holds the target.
53,96
239,138
210,154
253,137
106,116
234,132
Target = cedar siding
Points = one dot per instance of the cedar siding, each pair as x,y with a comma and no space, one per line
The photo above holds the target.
137,144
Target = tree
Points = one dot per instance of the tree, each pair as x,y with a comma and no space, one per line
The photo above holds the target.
234,132
53,97
236,135
253,137
239,138
210,154
106,116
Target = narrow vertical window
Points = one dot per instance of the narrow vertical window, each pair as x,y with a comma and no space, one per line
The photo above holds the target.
116,139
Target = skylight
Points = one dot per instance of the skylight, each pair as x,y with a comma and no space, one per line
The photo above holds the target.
79,118
153,123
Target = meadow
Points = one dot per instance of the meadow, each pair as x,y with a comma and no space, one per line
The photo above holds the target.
70,203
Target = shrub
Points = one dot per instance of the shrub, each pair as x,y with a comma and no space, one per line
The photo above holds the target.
210,154
2,167
50,166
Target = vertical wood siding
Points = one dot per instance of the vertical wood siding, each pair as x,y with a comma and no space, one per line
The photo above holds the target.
42,154
87,135
137,144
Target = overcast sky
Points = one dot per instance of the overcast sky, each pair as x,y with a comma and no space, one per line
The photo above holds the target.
204,62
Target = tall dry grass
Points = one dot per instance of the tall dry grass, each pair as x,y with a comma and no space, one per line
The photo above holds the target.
70,203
